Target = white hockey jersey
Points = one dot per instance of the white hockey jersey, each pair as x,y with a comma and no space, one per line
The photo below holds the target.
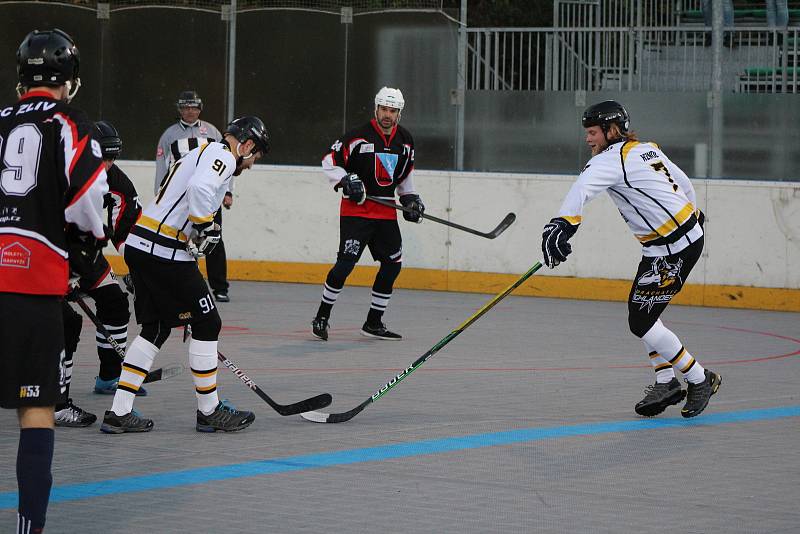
653,195
191,194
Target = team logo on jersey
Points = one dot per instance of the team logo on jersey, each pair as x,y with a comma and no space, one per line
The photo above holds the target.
203,130
352,246
385,164
366,148
15,255
659,284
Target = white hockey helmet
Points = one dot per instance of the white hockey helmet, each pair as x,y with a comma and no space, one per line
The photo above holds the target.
390,98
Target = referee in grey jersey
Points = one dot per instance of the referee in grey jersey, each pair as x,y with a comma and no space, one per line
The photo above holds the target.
176,141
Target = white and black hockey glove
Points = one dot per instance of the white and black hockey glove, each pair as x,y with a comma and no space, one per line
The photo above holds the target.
414,203
353,188
555,241
203,239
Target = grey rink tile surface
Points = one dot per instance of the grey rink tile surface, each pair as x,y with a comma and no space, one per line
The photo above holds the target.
530,363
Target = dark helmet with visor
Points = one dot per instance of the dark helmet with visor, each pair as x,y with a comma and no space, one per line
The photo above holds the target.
604,114
189,99
250,127
108,137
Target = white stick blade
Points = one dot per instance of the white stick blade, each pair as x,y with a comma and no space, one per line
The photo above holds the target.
316,417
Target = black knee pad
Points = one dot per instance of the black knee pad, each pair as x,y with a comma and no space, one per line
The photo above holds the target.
112,304
73,323
339,273
156,333
207,327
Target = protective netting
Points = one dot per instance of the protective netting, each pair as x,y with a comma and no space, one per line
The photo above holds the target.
242,5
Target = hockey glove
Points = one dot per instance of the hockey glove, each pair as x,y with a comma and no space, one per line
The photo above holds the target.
555,237
701,217
414,203
352,188
204,238
84,251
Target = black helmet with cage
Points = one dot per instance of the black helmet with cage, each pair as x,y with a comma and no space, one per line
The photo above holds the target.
48,59
250,127
606,113
108,137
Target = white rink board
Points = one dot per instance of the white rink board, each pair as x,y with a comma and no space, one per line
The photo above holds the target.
290,214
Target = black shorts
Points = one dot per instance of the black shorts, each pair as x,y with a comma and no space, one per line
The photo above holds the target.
172,293
32,371
658,279
382,236
93,276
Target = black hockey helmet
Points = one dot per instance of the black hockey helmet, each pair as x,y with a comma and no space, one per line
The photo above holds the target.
47,58
606,113
189,99
109,139
250,127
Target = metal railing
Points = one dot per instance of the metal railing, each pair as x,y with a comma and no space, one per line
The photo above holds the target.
755,59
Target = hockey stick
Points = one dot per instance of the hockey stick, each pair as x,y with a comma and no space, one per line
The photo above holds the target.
314,403
320,417
502,227
162,373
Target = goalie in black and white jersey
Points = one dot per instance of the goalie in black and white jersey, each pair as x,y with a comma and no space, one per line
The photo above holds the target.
658,202
175,229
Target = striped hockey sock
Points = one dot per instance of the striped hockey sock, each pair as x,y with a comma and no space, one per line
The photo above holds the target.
109,359
663,369
378,305
203,361
663,341
138,361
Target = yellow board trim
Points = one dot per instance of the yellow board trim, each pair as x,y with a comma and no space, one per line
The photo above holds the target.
718,296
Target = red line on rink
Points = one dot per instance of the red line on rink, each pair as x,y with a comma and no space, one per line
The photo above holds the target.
234,331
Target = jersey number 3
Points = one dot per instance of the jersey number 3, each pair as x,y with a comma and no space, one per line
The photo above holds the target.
20,160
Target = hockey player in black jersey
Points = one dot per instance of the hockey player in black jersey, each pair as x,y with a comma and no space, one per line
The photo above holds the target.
51,175
97,281
374,159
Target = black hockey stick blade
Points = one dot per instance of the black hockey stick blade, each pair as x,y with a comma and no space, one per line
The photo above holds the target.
314,403
164,373
321,417
507,221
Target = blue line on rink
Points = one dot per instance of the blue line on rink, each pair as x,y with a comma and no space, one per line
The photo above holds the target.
172,479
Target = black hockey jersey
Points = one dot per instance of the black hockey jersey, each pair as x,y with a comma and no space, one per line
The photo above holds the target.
51,173
384,164
122,203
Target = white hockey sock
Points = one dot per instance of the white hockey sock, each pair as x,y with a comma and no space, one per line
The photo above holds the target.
665,342
203,361
138,361
663,369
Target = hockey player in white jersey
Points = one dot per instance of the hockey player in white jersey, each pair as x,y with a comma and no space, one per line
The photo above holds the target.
174,230
658,202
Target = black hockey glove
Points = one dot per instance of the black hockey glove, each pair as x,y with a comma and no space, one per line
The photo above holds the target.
204,238
352,188
701,218
414,203
84,251
555,237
